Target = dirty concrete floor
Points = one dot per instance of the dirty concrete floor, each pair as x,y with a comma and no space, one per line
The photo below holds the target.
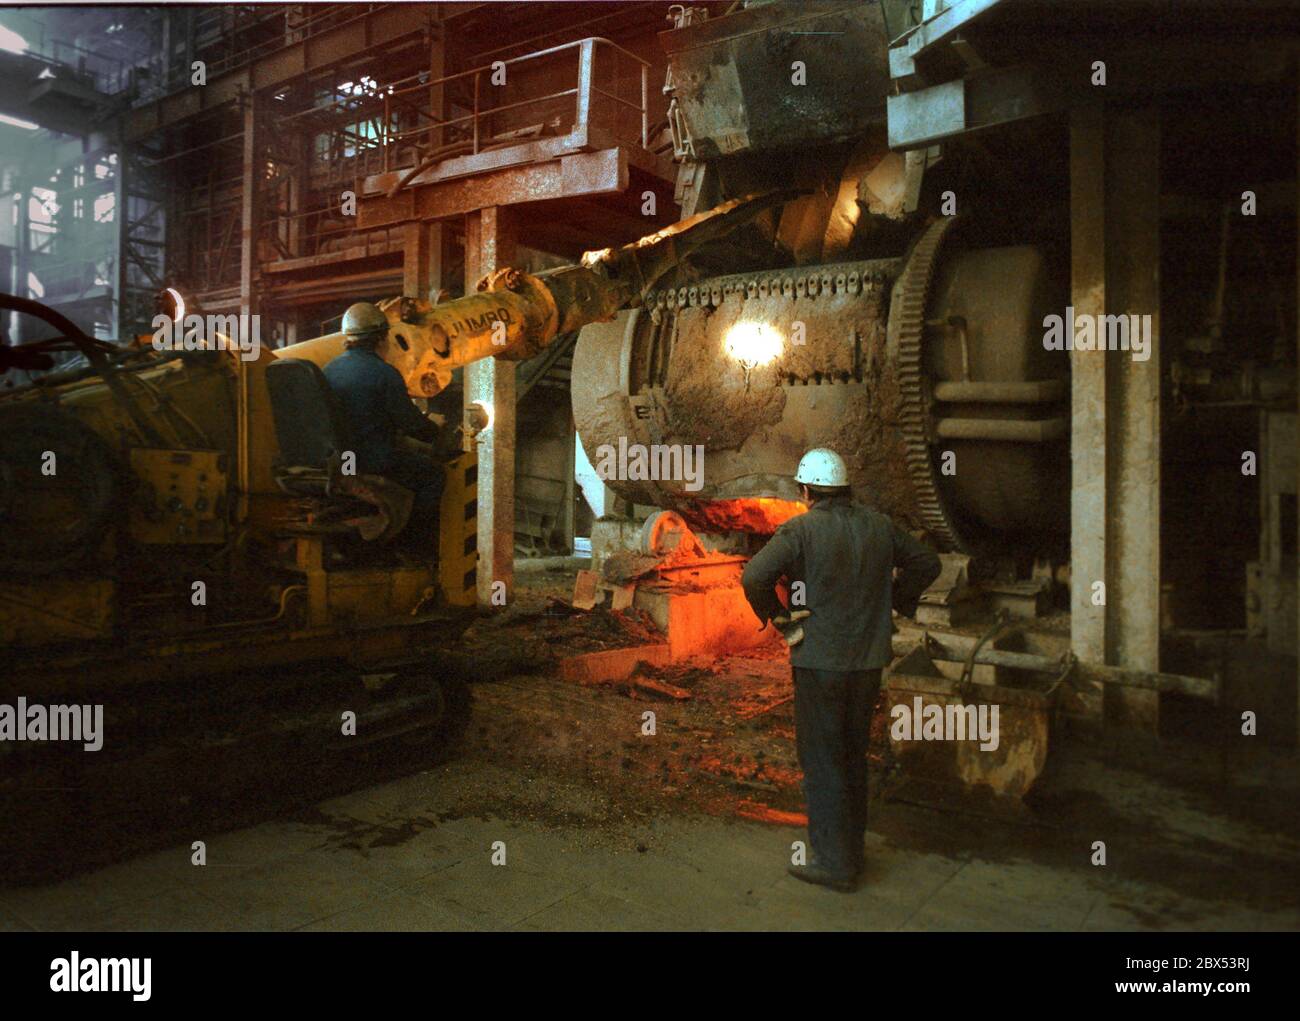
560,813
417,854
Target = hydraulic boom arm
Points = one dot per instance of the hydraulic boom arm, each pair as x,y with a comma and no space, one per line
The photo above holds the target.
515,315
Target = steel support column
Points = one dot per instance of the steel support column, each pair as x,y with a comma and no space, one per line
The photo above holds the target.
437,93
1115,441
299,187
122,233
1133,433
1087,387
489,244
250,207
20,324
422,259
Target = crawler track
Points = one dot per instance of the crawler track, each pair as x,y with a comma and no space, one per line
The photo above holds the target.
175,768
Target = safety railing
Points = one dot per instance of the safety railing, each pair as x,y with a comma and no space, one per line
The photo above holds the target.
411,129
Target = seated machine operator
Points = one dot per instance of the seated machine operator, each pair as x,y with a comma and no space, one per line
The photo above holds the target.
380,412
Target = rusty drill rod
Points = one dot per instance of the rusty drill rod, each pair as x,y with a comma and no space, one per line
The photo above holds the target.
956,648
515,315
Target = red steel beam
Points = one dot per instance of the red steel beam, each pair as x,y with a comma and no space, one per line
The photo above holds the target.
585,173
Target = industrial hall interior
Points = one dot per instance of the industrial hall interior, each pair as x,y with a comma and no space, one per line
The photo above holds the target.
719,465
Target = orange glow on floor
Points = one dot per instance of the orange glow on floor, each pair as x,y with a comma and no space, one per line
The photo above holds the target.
758,515
762,813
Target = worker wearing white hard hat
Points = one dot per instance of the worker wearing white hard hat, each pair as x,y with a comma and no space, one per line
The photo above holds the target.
838,561
822,468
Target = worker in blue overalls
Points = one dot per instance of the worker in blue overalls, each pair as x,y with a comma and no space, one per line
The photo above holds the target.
380,411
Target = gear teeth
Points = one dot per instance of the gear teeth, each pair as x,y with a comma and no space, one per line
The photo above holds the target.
914,284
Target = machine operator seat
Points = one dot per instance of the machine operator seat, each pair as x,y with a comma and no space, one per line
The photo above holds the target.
314,436
309,423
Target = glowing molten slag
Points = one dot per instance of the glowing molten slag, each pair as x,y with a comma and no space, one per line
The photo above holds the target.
758,515
753,344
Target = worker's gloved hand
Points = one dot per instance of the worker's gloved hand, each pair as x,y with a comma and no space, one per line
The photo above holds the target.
455,443
790,627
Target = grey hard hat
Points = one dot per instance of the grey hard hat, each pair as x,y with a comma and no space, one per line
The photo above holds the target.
363,319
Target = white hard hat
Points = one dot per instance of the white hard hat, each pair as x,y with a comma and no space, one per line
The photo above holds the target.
822,467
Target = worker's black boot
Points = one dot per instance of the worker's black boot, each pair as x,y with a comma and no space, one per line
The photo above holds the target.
820,876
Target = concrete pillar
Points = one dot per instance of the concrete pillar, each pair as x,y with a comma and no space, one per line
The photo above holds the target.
489,245
1133,433
1297,140
1115,400
1087,386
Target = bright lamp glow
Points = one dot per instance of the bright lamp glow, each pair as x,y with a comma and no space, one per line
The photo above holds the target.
179,303
753,344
